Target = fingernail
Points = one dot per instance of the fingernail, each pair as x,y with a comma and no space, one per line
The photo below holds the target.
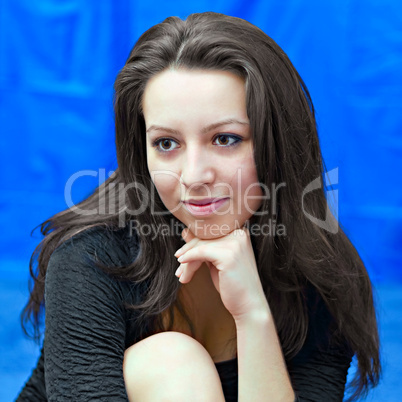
178,271
180,259
177,251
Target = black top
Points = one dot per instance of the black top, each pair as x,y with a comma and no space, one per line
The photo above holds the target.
87,330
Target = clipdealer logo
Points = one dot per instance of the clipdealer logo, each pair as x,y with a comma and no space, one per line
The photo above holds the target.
329,224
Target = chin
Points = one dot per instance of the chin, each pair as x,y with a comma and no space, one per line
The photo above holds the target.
205,230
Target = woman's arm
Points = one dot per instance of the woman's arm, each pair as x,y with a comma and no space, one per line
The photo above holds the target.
85,329
34,389
317,373
263,374
261,368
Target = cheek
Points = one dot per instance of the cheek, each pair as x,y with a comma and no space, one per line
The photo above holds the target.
248,172
167,185
250,187
165,181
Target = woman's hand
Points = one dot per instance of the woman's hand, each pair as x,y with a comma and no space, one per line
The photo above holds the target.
233,270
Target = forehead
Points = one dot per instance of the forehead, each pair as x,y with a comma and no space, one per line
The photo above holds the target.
184,92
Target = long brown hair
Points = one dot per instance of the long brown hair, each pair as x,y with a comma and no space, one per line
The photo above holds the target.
286,150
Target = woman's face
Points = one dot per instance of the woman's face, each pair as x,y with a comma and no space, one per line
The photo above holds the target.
200,149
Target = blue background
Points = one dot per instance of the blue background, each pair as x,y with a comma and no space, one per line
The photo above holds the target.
58,62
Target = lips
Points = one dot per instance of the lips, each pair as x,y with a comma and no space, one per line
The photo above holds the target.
203,201
204,207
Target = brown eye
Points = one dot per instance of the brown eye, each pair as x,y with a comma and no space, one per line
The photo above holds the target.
166,144
226,140
223,140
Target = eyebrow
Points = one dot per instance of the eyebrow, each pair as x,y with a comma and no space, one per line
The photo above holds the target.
204,130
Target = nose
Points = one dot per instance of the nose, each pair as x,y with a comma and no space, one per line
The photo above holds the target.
197,169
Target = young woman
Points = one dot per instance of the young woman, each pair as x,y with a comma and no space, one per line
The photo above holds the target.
215,134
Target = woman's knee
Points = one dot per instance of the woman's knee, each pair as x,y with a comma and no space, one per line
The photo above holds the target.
166,349
170,364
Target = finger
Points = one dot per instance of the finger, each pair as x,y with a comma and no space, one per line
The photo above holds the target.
186,247
188,270
214,275
203,253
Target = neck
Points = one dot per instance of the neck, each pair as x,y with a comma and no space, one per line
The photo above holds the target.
200,291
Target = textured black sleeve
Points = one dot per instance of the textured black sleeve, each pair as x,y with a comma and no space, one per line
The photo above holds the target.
34,389
319,371
85,329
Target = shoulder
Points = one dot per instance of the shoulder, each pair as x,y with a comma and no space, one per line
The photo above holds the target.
77,263
109,246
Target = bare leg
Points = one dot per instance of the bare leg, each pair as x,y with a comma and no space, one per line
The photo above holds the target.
171,366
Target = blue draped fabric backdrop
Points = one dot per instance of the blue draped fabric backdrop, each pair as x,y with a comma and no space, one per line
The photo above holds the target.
58,61
57,67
